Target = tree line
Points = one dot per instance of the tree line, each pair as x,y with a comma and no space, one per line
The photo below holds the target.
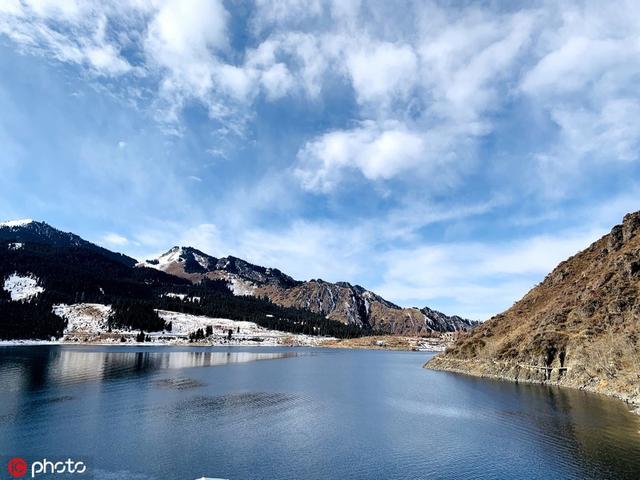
80,275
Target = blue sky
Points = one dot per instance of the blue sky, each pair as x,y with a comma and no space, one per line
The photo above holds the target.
447,154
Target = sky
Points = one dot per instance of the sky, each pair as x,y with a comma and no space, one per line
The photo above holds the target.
442,154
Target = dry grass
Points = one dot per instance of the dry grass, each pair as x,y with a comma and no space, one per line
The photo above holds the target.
584,317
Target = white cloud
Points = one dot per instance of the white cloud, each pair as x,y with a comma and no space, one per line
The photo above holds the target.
277,81
573,64
32,25
480,279
379,153
278,12
115,239
65,9
382,71
466,59
584,79
183,38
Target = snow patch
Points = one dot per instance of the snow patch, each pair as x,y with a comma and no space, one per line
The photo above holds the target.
181,296
240,287
16,223
165,260
84,317
22,287
15,246
204,263
243,333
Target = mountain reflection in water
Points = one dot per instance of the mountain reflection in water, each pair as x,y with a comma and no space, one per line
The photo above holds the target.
160,413
32,369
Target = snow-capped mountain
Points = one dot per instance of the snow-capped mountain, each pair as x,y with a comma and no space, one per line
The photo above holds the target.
71,267
192,263
45,272
341,301
23,231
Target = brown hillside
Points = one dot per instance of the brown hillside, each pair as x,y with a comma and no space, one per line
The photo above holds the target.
580,327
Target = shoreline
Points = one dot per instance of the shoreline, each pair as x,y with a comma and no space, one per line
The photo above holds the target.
390,343
633,403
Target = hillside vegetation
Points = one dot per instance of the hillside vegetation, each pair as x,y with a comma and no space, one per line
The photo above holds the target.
580,327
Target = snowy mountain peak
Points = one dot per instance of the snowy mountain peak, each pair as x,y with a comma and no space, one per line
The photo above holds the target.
16,223
189,259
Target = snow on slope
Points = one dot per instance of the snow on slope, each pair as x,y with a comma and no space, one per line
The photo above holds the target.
84,317
243,332
16,223
204,263
183,323
91,319
22,287
165,260
239,286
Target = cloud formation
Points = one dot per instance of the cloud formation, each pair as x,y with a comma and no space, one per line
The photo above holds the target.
345,139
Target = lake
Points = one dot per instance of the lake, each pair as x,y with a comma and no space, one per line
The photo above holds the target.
141,413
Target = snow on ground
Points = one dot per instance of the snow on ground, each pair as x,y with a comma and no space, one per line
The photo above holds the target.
15,246
183,323
22,287
16,223
182,296
88,322
84,317
242,332
240,287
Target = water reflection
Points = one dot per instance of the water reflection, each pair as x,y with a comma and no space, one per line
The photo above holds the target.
148,413
33,370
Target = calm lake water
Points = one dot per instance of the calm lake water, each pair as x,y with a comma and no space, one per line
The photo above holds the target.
269,413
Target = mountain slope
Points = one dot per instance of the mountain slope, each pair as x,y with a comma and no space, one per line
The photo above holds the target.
343,302
580,327
23,231
41,267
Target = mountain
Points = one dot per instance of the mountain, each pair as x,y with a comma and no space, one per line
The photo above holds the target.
23,231
42,267
341,301
580,327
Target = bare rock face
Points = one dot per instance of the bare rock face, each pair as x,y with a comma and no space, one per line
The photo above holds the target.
579,328
341,301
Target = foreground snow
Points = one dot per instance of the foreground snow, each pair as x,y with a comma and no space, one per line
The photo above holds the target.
88,322
84,317
22,287
243,333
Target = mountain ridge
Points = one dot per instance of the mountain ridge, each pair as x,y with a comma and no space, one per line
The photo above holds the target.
42,268
341,301
351,305
41,232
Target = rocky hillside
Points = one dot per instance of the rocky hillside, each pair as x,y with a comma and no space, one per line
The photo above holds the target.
580,327
350,304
